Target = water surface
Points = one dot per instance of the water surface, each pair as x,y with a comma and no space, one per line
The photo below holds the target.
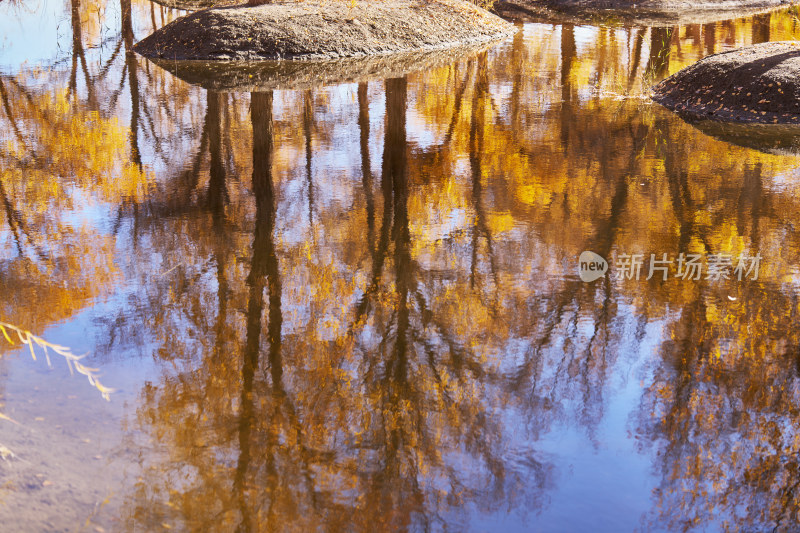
357,306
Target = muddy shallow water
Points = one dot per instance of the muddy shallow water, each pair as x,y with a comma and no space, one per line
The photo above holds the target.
358,306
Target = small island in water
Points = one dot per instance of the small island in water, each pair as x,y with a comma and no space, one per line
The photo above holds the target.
316,30
756,84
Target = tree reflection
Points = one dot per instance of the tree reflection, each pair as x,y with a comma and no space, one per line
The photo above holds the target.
405,426
721,414
263,271
391,359
377,385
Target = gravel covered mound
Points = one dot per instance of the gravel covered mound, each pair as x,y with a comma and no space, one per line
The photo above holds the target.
323,30
641,12
757,84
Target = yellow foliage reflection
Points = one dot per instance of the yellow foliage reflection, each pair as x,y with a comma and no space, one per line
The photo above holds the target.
363,299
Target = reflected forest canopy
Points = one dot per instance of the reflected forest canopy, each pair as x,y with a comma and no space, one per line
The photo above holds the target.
356,306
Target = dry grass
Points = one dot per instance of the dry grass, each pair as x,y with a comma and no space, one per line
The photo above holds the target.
73,361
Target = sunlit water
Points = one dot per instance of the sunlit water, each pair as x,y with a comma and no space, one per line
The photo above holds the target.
357,307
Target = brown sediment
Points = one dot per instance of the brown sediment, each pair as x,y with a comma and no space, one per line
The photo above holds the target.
777,139
249,76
